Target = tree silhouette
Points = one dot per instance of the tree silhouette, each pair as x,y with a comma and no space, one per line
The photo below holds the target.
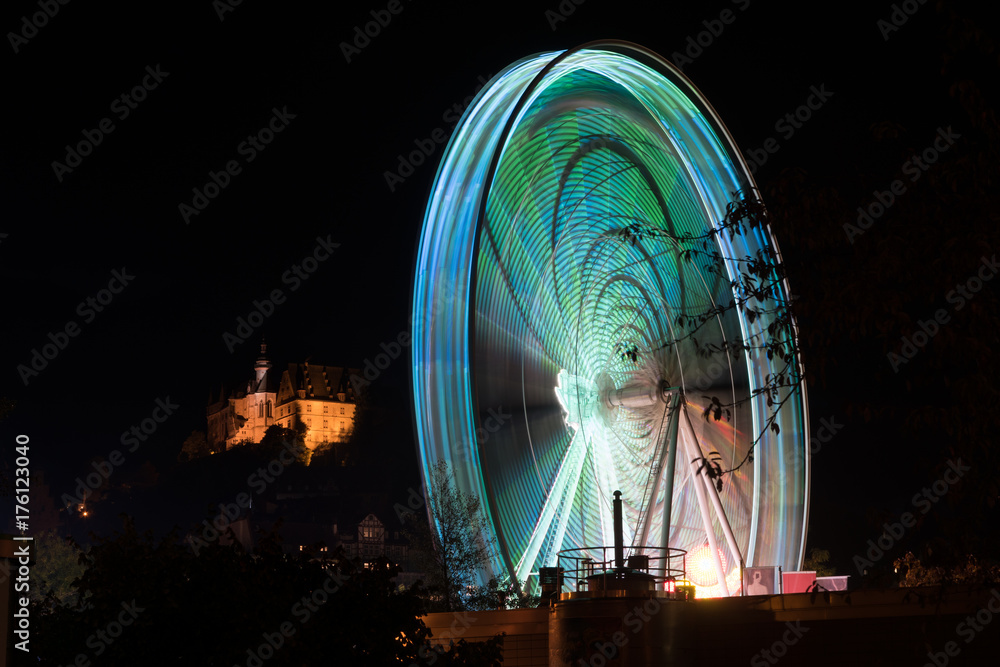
456,547
226,606
195,446
58,563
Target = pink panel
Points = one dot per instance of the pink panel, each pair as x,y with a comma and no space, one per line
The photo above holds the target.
797,582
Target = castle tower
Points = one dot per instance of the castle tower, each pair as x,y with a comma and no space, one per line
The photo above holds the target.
263,365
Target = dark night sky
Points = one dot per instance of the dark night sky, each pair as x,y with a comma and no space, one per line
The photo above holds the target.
323,175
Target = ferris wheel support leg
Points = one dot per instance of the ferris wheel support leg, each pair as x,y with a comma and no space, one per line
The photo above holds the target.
713,493
668,453
700,493
668,491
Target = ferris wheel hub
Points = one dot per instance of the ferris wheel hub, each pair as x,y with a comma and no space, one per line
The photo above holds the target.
640,396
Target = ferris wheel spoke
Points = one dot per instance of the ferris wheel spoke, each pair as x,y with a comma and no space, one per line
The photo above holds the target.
515,299
565,482
607,480
562,521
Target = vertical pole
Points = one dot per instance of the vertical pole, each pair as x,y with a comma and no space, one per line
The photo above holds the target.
619,538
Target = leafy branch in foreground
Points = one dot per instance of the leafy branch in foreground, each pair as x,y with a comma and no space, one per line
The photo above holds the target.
756,283
711,467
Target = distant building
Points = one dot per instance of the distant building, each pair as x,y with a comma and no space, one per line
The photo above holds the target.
334,510
320,397
372,539
365,537
246,413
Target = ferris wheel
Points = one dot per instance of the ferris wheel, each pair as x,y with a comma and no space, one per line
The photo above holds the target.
571,275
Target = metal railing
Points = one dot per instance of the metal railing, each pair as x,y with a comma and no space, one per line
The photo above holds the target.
594,568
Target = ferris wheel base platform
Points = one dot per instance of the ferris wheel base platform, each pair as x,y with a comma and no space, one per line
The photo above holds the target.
921,625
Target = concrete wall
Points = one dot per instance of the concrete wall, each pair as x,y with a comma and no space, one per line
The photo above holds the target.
526,643
902,626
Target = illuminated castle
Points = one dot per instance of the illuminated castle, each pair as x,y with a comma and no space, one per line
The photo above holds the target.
320,397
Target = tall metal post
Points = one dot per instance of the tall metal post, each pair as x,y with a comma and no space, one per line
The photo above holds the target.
619,538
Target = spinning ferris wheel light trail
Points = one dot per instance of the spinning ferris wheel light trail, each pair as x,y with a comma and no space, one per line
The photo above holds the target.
563,315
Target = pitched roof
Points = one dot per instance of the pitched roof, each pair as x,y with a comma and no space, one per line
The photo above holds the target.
322,382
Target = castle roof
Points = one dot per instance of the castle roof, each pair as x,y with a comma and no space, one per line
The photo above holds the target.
314,381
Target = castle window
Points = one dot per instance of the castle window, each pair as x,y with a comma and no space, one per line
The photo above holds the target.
260,410
269,408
